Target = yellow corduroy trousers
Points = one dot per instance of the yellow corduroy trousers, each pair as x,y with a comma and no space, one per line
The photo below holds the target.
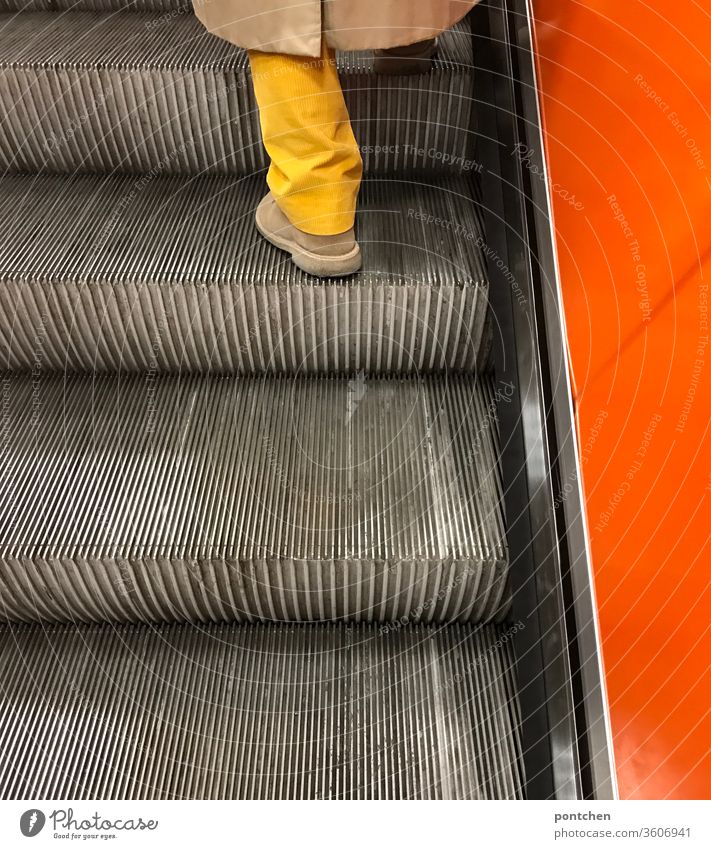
316,166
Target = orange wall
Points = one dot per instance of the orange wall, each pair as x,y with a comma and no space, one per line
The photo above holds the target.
625,88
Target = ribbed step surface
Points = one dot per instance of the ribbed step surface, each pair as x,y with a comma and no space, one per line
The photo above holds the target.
171,7
145,93
258,712
198,499
125,272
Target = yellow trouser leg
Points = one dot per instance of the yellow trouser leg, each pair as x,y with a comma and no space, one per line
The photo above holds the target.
316,165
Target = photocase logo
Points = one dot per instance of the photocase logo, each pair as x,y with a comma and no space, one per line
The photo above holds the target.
32,822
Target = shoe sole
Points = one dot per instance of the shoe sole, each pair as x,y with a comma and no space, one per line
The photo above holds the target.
319,266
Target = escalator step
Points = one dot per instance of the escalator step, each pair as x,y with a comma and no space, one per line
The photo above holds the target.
258,712
170,7
145,93
192,498
109,273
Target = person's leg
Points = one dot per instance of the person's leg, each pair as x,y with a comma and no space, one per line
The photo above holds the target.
316,166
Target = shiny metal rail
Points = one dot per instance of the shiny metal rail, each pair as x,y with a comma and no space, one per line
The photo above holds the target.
567,746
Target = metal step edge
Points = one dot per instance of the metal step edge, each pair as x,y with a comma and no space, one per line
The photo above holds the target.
122,273
258,712
136,93
160,7
180,498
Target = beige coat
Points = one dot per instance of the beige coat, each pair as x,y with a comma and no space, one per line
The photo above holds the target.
295,26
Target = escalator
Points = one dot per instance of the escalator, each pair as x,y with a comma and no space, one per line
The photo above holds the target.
262,535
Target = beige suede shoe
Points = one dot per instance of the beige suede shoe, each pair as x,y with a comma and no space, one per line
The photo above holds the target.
411,59
323,256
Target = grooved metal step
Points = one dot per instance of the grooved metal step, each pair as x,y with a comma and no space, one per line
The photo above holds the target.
171,7
108,273
212,499
151,93
258,712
